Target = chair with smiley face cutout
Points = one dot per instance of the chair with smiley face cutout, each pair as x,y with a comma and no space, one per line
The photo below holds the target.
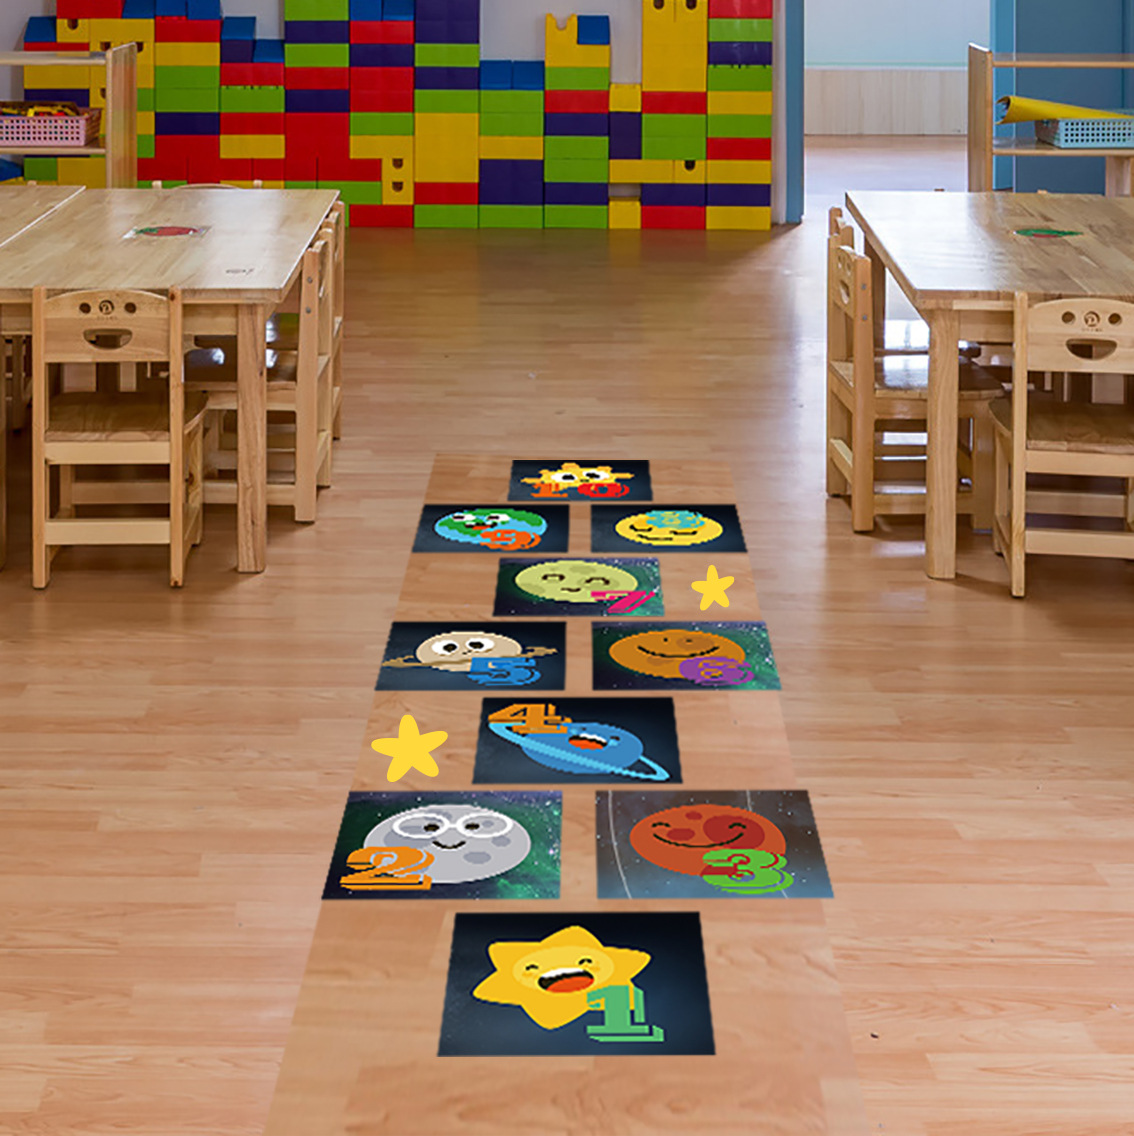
100,429
1040,435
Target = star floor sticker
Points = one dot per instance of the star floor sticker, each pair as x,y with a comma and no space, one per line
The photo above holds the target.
713,588
411,749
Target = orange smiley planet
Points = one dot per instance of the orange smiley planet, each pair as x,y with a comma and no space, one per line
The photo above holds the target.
678,838
661,653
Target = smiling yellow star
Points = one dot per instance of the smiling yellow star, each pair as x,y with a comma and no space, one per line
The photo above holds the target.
411,749
713,588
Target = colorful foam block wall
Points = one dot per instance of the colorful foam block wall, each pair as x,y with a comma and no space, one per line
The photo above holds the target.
389,102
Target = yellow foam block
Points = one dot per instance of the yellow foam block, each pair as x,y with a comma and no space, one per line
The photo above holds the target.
675,46
146,124
265,183
626,96
689,173
654,171
752,217
251,145
397,168
88,172
397,185
738,173
57,78
515,148
187,54
115,32
740,102
73,31
561,48
446,147
624,213
382,146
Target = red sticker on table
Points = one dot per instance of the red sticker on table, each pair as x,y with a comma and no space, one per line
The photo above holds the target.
168,231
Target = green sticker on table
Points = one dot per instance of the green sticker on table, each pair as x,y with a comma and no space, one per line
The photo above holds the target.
1047,232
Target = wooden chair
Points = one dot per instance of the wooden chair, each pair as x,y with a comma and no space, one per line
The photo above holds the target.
76,429
159,184
1038,434
892,400
300,389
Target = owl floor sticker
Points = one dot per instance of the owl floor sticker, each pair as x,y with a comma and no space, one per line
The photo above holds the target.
580,481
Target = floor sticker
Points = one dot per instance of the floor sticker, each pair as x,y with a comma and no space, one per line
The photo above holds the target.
580,481
456,845
702,654
463,656
577,983
492,528
625,586
591,740
705,845
666,528
411,749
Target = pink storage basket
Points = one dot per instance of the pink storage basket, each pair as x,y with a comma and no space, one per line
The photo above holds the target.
46,131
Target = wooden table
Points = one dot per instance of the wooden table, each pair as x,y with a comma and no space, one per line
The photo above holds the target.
958,259
233,272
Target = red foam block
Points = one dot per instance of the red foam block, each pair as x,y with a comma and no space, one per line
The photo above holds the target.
178,29
740,9
673,217
382,216
337,169
576,102
272,169
381,31
235,169
390,102
252,74
740,149
675,102
88,10
445,192
381,78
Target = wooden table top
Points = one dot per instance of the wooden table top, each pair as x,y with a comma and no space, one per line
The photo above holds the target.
948,247
21,206
247,251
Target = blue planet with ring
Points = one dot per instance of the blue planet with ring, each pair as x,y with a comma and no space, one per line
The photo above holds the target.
587,748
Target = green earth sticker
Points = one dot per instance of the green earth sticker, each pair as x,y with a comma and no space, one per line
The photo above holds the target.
1047,233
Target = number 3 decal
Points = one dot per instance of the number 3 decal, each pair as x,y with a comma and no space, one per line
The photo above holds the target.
384,869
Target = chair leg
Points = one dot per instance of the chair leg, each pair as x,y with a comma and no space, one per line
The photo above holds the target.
41,496
177,542
1018,530
838,426
306,450
196,485
1000,509
862,475
66,491
19,404
982,474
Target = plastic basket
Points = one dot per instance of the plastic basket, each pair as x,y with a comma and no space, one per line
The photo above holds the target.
1087,133
45,131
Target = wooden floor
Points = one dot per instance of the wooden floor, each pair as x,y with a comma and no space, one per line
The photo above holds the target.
173,766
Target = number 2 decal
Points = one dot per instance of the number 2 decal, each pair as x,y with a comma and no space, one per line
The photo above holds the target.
386,869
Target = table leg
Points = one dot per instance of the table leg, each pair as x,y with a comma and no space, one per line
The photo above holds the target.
941,463
1118,177
252,439
878,293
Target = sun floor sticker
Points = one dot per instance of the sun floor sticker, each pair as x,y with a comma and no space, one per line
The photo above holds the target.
580,481
576,983
699,655
666,528
492,528
454,845
703,845
464,656
571,740
623,586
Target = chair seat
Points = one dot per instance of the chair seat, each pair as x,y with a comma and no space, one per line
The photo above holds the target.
907,377
1072,427
125,418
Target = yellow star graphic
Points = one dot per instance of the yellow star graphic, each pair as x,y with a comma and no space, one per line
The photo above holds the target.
713,588
411,749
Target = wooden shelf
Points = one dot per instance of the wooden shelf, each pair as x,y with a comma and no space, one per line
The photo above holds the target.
55,151
119,117
1033,148
983,146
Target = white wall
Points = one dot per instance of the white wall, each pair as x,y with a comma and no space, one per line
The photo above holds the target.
893,33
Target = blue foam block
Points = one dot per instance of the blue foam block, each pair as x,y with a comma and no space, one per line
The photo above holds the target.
740,54
268,51
673,194
139,10
576,125
576,193
203,9
171,8
738,195
625,146
593,30
381,54
316,31
186,122
82,96
366,9
527,75
397,9
446,78
236,51
495,74
317,102
238,28
40,29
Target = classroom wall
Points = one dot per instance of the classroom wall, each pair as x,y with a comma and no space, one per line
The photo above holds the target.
13,16
890,66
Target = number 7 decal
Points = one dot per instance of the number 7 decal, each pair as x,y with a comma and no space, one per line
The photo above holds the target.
625,602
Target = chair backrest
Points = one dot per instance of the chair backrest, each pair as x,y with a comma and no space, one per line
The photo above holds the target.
1083,334
850,317
158,184
838,226
106,326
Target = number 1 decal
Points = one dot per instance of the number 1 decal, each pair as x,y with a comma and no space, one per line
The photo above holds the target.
625,602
